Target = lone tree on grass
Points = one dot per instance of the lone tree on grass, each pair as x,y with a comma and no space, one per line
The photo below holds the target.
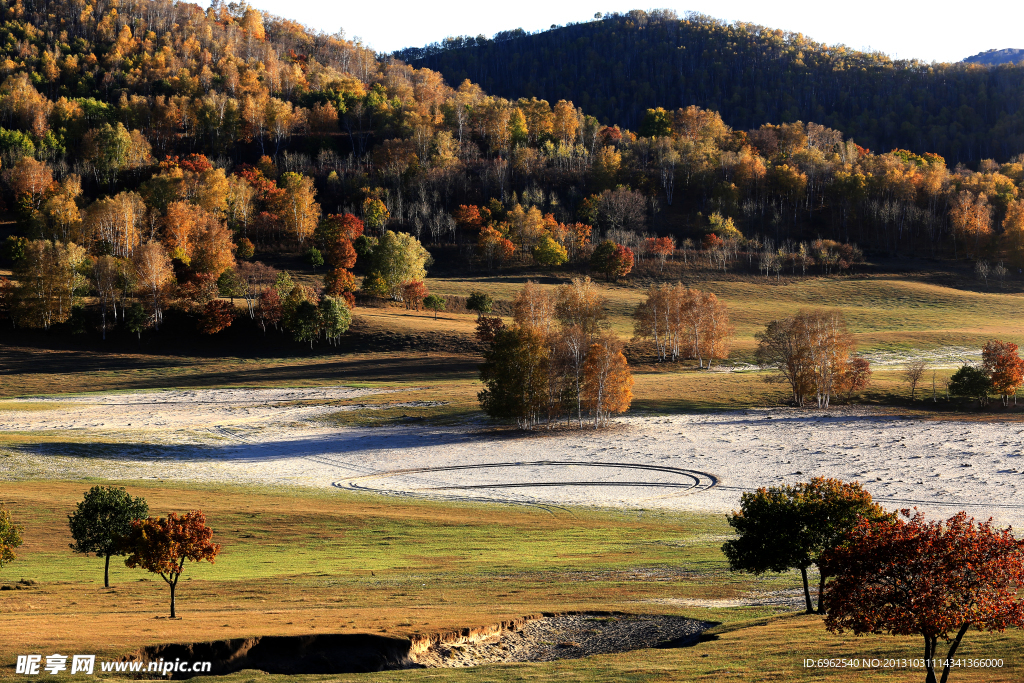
162,544
10,537
786,527
479,302
906,576
434,303
102,520
912,373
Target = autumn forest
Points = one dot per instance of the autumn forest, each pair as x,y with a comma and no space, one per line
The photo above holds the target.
161,161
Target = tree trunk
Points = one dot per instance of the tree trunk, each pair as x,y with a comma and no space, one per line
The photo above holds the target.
952,651
106,572
174,585
821,592
929,654
807,591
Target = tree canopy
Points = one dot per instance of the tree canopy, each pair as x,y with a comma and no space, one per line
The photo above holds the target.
935,579
785,527
102,520
162,545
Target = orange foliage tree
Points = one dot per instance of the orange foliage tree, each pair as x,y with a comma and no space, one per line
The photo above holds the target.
1004,366
661,248
493,246
607,381
217,315
162,545
908,576
414,293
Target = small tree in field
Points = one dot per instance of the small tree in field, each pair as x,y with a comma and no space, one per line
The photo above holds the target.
786,527
102,520
434,303
162,545
907,576
970,382
10,537
414,292
1004,367
480,302
912,373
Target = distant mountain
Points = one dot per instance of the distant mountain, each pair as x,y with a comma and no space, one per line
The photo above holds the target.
618,66
992,57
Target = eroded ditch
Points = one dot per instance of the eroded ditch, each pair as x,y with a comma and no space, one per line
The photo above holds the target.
531,638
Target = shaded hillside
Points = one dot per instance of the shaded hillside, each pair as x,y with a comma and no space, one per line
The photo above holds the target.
993,57
618,67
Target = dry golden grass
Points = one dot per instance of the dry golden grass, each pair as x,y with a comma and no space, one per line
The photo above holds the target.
884,312
296,561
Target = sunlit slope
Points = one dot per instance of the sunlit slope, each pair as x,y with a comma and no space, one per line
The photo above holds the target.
883,312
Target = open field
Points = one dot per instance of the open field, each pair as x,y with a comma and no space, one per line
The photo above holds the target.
302,561
886,313
277,447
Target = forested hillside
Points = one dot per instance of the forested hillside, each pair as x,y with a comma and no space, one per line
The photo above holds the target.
621,65
991,57
159,159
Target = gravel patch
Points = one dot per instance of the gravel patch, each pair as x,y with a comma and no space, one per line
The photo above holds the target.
568,637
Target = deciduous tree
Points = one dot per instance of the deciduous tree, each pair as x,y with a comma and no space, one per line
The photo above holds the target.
912,373
397,258
810,351
335,318
937,580
515,376
10,537
970,382
153,269
548,252
49,280
102,520
786,527
217,315
162,545
413,293
1005,368
434,303
480,302
301,213
607,382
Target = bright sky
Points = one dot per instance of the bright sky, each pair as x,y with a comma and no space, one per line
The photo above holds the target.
932,31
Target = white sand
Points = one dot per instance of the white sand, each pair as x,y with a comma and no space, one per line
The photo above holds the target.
687,462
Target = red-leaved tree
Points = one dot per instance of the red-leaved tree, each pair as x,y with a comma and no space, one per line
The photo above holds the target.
414,292
907,576
162,545
1004,366
217,315
660,247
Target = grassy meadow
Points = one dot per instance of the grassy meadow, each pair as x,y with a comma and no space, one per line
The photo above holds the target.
298,561
301,561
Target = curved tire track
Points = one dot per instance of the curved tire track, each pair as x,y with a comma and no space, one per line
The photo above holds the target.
697,481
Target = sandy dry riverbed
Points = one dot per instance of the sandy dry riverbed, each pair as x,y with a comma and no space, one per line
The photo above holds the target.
687,462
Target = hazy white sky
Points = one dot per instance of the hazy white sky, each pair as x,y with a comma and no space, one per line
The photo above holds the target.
932,31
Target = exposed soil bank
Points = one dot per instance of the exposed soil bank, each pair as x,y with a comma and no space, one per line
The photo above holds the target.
532,638
567,636
334,653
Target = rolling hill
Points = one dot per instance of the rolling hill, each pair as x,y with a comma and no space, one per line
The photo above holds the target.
621,65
